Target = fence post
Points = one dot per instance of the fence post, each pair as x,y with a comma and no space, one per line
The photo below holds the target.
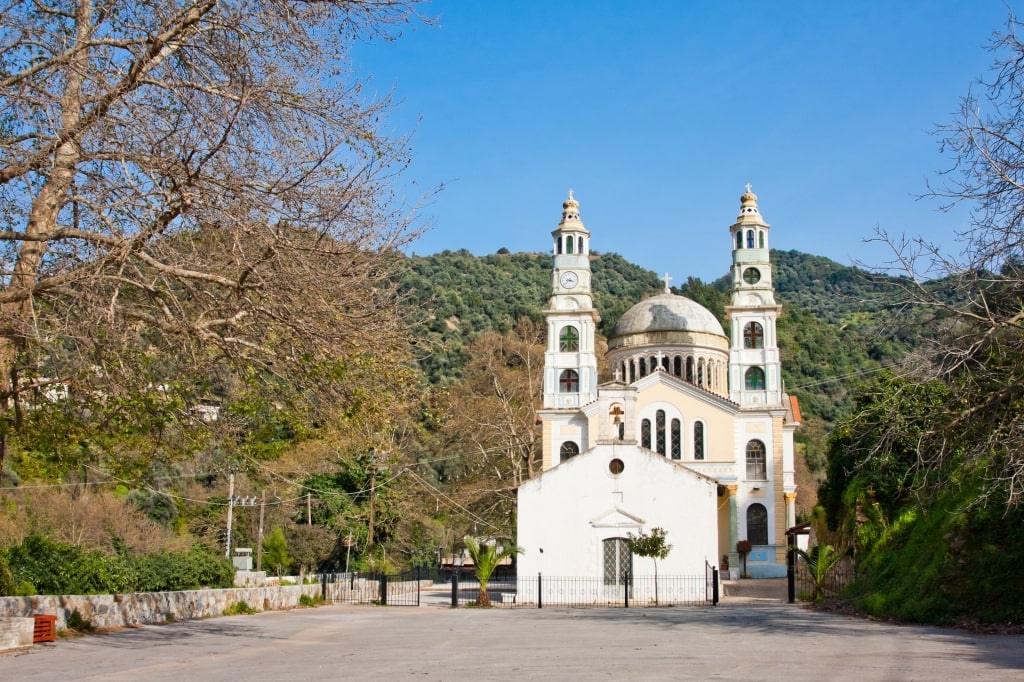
625,586
714,585
791,570
540,592
383,589
455,588
417,586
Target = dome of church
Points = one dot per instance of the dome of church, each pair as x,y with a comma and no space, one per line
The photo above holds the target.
667,312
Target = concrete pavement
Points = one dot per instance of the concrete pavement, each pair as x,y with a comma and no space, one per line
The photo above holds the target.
734,642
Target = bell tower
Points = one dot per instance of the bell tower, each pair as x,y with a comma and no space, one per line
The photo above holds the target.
755,375
570,362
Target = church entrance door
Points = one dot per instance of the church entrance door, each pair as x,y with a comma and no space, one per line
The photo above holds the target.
618,566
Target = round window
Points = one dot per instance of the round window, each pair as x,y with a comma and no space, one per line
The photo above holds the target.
616,466
751,275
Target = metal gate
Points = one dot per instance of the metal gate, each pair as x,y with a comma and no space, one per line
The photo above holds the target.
401,589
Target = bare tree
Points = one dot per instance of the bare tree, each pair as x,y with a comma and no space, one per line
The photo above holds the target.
199,179
976,339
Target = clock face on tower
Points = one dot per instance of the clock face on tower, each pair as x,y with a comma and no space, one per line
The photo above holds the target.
569,279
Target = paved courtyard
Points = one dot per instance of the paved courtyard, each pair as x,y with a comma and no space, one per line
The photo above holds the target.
754,638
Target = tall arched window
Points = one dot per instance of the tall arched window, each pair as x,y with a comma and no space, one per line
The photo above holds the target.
568,244
569,381
753,335
569,339
677,439
659,418
757,467
645,434
689,370
580,249
698,440
643,367
750,239
568,451
739,240
760,239
754,379
558,246
757,524
677,366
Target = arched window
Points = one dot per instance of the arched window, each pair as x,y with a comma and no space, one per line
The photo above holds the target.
569,381
580,249
558,246
739,239
617,561
664,363
677,366
757,468
677,439
753,335
569,339
700,372
698,440
659,418
757,524
643,367
754,379
760,239
645,434
569,450
750,239
568,244
689,370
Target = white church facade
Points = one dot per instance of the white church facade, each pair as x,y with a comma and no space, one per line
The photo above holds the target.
693,434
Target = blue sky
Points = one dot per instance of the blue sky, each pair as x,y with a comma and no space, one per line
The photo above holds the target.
658,113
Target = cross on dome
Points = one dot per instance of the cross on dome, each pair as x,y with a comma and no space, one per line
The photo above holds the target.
667,280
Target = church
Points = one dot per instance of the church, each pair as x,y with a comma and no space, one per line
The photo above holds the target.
692,434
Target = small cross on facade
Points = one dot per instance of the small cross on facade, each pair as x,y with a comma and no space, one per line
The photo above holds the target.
667,280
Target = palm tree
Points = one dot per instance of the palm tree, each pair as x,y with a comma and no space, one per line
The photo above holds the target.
820,562
486,556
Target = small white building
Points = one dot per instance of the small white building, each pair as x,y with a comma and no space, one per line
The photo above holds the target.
693,434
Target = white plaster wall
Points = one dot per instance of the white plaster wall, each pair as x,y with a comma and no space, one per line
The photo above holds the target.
563,510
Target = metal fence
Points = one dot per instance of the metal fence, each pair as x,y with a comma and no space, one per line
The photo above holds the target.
542,591
831,586
373,588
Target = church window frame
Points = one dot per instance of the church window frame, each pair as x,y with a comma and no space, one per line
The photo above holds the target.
760,239
677,366
579,247
659,432
617,561
753,379
757,461
699,440
751,276
750,239
757,524
568,450
569,243
569,381
677,439
753,335
558,246
645,433
739,239
569,339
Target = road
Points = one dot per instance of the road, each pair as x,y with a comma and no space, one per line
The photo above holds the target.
737,641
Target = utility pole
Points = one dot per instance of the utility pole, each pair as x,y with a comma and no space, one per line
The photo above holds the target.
373,498
231,504
259,543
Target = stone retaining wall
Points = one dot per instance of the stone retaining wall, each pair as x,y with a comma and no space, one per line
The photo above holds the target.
124,610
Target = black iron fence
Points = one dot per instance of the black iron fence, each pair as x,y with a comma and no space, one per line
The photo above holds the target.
374,588
542,591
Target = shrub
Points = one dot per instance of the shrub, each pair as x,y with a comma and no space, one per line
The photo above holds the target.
239,608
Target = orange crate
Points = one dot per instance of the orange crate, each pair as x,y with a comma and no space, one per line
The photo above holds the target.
45,630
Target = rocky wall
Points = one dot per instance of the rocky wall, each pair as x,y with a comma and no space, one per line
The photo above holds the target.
140,608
